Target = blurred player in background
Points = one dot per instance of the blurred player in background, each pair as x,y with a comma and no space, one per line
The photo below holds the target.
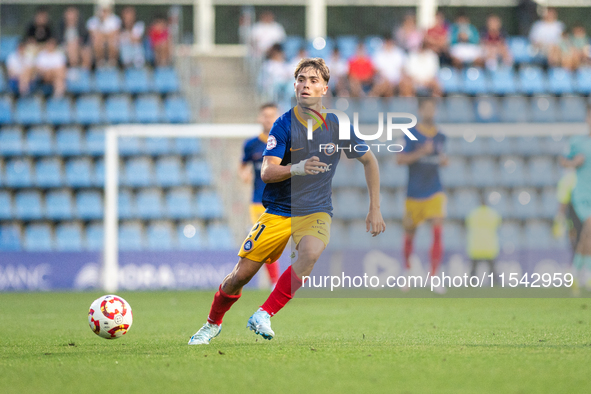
253,153
566,218
482,225
425,198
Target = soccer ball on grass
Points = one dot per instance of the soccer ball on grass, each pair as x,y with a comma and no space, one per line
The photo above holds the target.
110,316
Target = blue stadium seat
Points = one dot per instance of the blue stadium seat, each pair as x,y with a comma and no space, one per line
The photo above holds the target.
89,110
349,204
131,236
148,109
6,112
130,146
58,205
441,112
157,146
176,110
78,81
10,237
198,172
500,203
543,109
11,141
549,204
542,172
463,202
372,44
89,205
138,172
29,111
475,81
511,236
454,236
190,237
5,205
169,172
527,146
582,81
179,204
520,49
28,205
483,172
402,104
320,52
367,108
454,174
95,141
450,80
165,80
94,236
99,173
39,141
59,111
573,109
469,147
209,206
137,80
532,80
38,237
107,80
19,173
48,173
292,45
459,109
538,235
347,46
560,81
3,84
160,236
554,145
126,204
219,237
393,175
503,81
79,173
515,109
487,109
69,237
8,44
453,146
149,204
511,171
118,109
69,141
525,203
392,205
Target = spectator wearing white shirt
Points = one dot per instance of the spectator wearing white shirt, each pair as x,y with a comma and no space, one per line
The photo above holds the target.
421,70
389,63
130,38
74,38
276,76
339,68
265,33
19,66
104,32
545,34
51,67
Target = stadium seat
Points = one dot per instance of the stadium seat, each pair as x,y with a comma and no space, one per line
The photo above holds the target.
3,84
79,172
48,173
160,236
499,200
463,202
393,205
126,204
95,141
538,235
531,80
179,204
323,52
131,236
503,81
6,111
78,81
69,237
28,205
130,146
291,46
58,205
454,174
487,109
454,236
543,109
582,80
525,203
148,109
89,205
450,80
572,109
165,80
368,109
510,236
99,173
176,110
208,206
548,204
469,147
157,146
137,80
347,46
169,172
500,145
149,204
198,172
138,172
187,146
475,81
515,109
190,237
527,146
219,237
5,205
392,175
402,104
38,237
94,237
88,110
59,111
39,141
560,81
372,44
483,172
107,80
521,50
459,109
69,141
349,204
511,171
11,141
29,111
8,44
19,173
554,145
118,109
10,237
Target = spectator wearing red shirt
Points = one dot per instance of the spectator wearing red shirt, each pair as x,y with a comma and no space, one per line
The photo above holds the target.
361,73
494,44
160,41
437,38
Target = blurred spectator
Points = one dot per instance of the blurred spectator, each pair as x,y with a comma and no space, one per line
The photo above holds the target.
465,48
339,68
130,39
389,62
545,34
74,38
104,32
265,33
19,66
276,75
408,35
494,43
581,43
437,37
421,70
361,73
39,30
302,53
572,50
160,41
51,66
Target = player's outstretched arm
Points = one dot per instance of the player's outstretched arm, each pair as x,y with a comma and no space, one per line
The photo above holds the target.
576,161
425,149
374,221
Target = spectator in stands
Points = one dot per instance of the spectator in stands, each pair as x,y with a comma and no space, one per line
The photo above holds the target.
74,39
465,48
389,63
408,35
339,68
437,38
130,39
276,75
161,41
265,33
51,67
421,70
545,34
361,73
494,43
581,43
104,33
20,68
39,30
572,51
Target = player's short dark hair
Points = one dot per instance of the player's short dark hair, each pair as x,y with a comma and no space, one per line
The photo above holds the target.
267,105
315,63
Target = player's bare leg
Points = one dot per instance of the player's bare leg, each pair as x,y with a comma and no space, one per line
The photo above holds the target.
409,234
437,250
582,259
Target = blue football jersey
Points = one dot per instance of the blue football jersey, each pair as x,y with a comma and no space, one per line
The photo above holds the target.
423,174
253,153
304,195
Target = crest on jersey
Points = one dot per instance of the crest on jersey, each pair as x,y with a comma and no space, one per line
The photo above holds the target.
329,149
271,142
248,245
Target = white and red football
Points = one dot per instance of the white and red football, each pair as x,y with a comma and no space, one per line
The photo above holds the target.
110,316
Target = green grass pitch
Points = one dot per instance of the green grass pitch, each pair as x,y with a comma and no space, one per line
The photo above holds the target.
322,346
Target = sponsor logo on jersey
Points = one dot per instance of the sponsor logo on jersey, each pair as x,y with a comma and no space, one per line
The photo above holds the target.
271,142
248,245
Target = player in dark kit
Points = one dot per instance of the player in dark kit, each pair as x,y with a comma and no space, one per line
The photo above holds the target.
297,199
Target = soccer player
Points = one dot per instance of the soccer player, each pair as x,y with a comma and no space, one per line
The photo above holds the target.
253,153
297,199
425,198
